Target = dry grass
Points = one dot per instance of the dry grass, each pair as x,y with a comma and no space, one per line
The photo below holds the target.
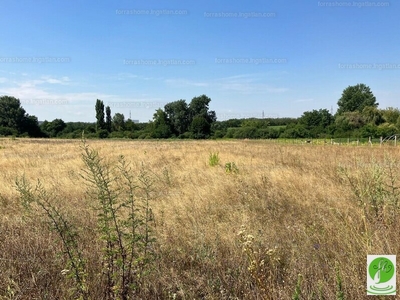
295,210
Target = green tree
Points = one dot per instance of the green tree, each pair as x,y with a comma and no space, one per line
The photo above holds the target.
54,127
348,123
118,122
130,125
316,118
200,127
372,115
256,123
177,113
398,123
356,98
108,119
316,122
162,128
199,106
386,130
295,131
30,126
100,124
390,115
14,117
11,113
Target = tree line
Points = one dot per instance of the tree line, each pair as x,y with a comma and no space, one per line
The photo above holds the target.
357,116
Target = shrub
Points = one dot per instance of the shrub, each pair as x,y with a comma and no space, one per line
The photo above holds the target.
213,159
230,167
102,134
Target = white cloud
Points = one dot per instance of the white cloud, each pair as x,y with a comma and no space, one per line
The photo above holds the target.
245,83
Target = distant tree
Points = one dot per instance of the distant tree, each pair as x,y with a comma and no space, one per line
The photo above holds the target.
390,115
108,119
386,130
162,128
369,130
54,127
316,122
200,127
100,124
349,121
102,134
14,117
316,118
356,98
11,113
177,113
130,125
372,115
6,131
295,131
118,122
256,123
199,106
200,118
30,125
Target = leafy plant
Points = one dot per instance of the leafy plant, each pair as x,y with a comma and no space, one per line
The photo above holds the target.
375,186
213,159
230,167
67,232
123,219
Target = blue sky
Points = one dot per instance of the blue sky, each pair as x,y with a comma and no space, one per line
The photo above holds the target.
280,57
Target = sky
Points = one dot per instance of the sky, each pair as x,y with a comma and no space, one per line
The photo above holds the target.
252,58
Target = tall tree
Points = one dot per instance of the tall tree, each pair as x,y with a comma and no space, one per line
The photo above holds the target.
11,113
200,127
162,128
118,122
100,124
199,106
13,116
200,117
178,115
356,98
108,119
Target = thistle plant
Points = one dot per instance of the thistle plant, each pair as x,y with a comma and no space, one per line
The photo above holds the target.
124,216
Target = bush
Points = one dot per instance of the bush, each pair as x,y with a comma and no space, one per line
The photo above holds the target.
102,134
7,131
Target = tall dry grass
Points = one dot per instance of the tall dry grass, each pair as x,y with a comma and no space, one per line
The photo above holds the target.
290,210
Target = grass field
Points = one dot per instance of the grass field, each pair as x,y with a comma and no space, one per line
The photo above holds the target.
288,222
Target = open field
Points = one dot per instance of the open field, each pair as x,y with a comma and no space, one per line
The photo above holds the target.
293,215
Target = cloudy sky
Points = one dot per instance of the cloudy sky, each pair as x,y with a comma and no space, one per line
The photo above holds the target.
280,57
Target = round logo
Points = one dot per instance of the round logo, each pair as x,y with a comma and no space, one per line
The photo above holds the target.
381,270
